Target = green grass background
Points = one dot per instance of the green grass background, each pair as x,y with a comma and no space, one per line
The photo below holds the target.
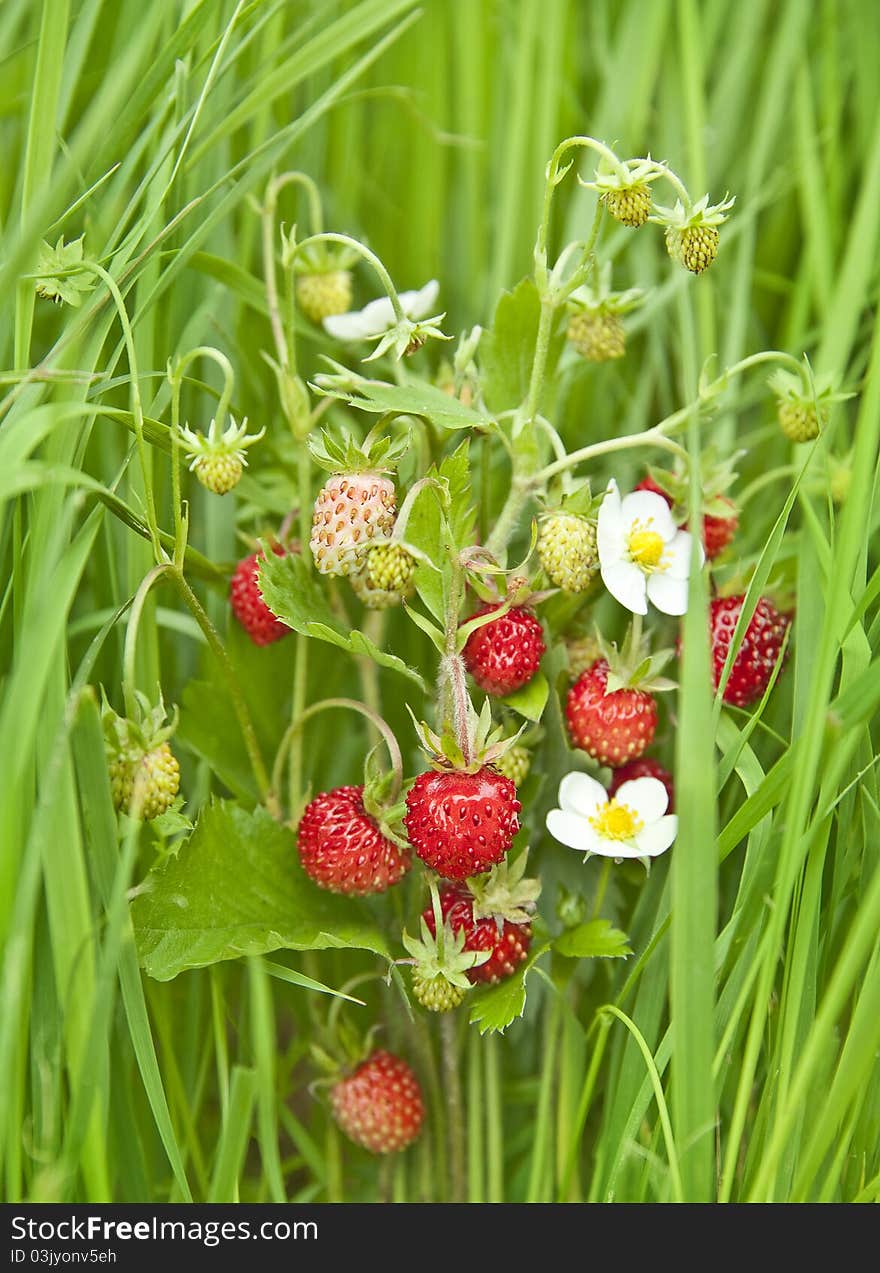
740,1061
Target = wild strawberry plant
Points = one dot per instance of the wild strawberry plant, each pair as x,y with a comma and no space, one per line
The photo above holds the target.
484,674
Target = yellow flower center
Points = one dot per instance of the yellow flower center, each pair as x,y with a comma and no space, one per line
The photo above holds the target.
645,547
616,821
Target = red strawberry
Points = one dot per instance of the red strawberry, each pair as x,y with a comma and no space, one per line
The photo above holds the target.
612,728
758,654
504,655
509,947
342,847
461,824
248,605
717,531
379,1106
644,767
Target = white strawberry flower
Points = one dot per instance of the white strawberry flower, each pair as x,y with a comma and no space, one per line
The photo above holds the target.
378,317
643,556
633,823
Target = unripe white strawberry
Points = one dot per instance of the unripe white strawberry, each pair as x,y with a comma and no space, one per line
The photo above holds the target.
583,651
353,512
515,764
567,551
630,205
694,246
597,336
799,420
386,577
144,772
219,473
323,294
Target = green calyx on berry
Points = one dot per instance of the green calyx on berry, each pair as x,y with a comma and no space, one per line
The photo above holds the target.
633,666
803,405
594,328
374,455
218,458
504,893
625,190
692,233
486,742
59,274
440,962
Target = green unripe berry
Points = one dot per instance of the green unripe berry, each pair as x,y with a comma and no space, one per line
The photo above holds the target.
567,551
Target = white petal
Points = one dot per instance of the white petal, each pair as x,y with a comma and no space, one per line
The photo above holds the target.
419,304
667,594
626,583
378,316
581,794
352,326
573,831
656,839
620,849
678,556
651,508
610,528
645,796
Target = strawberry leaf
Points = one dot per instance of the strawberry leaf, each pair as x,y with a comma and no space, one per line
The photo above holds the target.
596,939
507,351
236,888
493,1009
531,700
416,399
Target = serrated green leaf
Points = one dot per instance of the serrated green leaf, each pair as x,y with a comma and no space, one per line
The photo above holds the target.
531,700
595,939
493,1009
507,351
358,643
236,888
423,400
296,597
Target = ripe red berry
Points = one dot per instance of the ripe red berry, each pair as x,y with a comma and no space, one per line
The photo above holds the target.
342,848
504,655
379,1106
717,531
508,947
644,767
612,728
248,606
758,654
461,824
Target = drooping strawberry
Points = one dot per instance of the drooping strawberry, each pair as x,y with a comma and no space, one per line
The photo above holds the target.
505,654
644,767
218,457
757,655
343,848
611,727
459,823
380,1105
355,508
248,605
494,917
144,772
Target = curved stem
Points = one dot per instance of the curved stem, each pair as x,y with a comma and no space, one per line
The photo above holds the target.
353,705
175,376
239,702
651,437
369,257
285,347
313,194
411,496
131,631
677,184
